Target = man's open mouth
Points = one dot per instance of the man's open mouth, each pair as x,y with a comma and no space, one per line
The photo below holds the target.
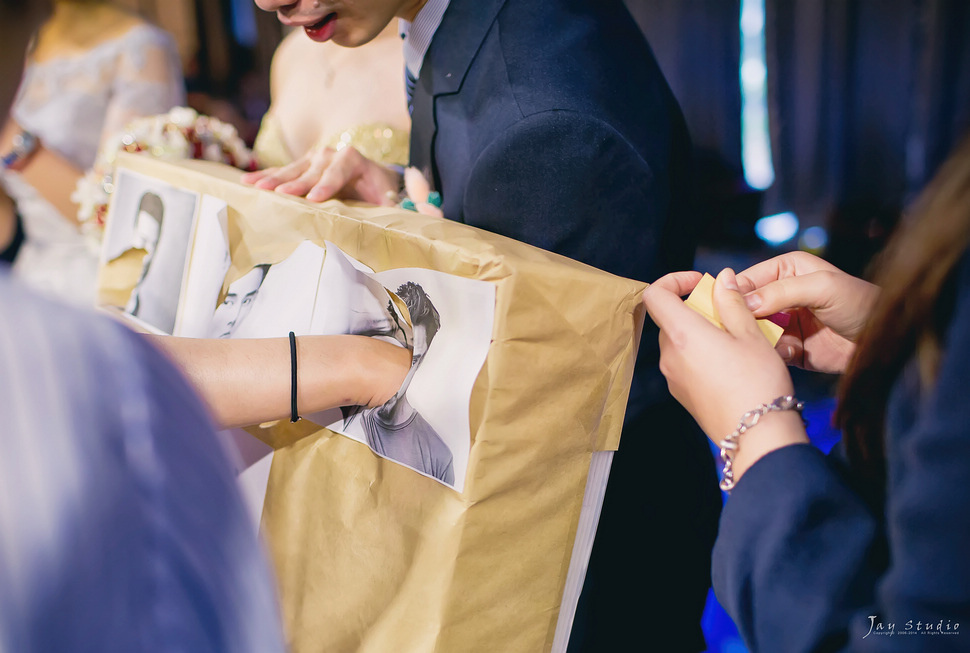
322,30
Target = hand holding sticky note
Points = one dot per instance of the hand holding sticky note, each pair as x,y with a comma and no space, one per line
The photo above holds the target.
701,300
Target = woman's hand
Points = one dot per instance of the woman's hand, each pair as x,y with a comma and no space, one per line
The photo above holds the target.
325,173
382,369
828,308
718,375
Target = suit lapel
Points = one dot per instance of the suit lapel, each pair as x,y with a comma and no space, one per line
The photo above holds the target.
454,46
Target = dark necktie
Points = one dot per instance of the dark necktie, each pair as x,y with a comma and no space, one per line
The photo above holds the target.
409,83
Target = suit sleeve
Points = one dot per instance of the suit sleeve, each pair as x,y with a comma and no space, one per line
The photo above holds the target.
571,184
796,560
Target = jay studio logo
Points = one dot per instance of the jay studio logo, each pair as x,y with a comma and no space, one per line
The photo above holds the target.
911,627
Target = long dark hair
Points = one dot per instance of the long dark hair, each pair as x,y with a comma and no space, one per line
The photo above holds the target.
916,273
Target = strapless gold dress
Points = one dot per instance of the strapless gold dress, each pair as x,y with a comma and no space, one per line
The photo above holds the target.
379,142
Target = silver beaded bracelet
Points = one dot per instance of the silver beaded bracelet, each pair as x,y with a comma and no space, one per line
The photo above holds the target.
729,445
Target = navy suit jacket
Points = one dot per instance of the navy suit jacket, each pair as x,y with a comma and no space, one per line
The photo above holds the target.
549,121
803,563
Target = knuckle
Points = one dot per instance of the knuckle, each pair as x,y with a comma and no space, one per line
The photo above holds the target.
826,275
346,154
677,338
788,265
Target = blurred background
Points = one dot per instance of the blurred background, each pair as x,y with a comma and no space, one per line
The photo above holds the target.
815,122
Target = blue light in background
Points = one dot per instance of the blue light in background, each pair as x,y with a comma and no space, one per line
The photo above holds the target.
777,229
814,240
755,137
244,22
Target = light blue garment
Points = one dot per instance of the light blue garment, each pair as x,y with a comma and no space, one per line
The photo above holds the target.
121,527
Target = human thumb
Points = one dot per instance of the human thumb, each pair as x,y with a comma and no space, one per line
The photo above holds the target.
729,306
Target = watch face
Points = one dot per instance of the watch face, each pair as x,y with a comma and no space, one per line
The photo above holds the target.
24,143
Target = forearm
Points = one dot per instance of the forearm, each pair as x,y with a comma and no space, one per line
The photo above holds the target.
51,175
248,381
54,178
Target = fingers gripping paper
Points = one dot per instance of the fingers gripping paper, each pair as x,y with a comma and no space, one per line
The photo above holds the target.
701,299
375,555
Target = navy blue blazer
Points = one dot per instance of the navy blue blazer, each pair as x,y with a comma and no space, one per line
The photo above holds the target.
801,560
549,121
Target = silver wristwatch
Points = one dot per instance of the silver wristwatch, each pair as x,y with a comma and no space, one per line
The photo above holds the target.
23,145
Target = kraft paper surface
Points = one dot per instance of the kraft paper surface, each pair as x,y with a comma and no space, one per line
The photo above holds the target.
373,557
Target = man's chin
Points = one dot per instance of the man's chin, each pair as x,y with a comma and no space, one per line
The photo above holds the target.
347,42
352,38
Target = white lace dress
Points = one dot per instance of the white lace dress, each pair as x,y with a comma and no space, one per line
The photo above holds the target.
72,104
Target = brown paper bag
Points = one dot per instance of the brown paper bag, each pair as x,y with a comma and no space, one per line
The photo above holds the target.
373,557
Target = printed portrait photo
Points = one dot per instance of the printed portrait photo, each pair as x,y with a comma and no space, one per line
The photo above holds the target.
351,301
270,300
425,426
209,263
238,303
156,218
396,430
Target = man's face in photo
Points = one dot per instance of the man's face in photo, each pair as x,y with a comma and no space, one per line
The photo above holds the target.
146,232
348,23
237,304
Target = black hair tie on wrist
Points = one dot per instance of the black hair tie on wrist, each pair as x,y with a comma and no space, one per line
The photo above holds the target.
294,414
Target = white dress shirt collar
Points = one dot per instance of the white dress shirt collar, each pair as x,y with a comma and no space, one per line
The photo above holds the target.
418,33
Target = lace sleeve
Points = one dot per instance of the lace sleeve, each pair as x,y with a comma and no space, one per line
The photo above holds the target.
148,80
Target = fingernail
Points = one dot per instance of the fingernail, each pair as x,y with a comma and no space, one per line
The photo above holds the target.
752,301
727,279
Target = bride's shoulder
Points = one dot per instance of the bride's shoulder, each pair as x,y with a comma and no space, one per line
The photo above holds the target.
102,27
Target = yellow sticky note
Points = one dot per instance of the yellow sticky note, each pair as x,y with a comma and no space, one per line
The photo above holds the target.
702,301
